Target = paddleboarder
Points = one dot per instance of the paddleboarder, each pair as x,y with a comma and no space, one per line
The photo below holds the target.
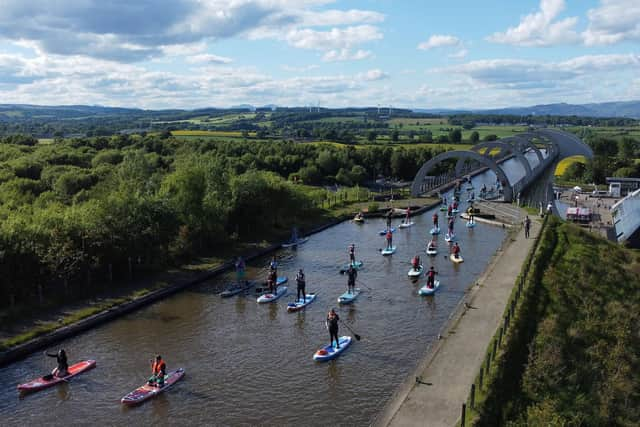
62,370
406,219
435,220
431,277
389,215
456,250
352,274
451,222
449,211
240,266
470,214
432,244
389,238
352,253
158,372
415,262
273,265
272,281
301,286
332,325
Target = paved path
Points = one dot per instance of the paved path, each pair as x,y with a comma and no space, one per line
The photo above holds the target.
452,364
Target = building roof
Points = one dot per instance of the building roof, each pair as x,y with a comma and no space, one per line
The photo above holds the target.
579,211
616,179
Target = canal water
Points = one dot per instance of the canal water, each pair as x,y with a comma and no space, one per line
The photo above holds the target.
249,363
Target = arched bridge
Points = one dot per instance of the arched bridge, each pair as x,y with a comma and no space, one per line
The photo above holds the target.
548,145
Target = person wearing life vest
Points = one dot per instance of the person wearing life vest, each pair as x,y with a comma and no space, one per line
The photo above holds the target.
449,210
273,265
415,263
352,253
431,277
62,370
435,220
389,239
455,205
352,274
451,222
470,214
158,372
301,286
456,250
332,325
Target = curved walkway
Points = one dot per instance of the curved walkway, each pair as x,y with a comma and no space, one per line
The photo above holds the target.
450,367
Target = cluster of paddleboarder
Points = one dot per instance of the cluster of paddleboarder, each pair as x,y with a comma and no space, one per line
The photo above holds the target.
274,288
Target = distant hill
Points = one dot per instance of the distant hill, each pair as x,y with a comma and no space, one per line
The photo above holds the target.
630,109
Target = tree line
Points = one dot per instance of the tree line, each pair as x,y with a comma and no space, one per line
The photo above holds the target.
81,211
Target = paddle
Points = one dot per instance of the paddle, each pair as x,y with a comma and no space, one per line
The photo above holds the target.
356,336
362,284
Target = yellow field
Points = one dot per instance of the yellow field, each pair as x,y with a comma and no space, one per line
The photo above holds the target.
565,163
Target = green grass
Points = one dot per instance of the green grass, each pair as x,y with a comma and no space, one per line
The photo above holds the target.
572,354
74,316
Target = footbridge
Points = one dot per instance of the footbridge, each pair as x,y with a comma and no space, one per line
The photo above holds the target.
534,152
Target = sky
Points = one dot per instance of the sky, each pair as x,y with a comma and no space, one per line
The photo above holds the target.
158,54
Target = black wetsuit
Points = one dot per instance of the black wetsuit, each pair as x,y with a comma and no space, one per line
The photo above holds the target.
63,365
332,325
301,287
352,273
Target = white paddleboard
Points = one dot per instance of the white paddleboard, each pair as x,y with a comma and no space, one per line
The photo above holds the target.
429,291
415,273
269,297
388,251
456,260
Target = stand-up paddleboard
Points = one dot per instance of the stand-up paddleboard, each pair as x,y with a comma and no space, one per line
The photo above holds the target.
435,230
429,291
147,391
296,243
300,304
415,273
432,251
349,297
50,380
236,288
470,224
358,219
458,260
443,208
406,224
269,297
330,351
383,232
455,211
450,237
388,251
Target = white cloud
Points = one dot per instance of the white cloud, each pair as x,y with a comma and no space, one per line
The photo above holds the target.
459,54
612,22
128,31
439,40
540,29
339,17
373,75
335,38
522,74
346,55
207,58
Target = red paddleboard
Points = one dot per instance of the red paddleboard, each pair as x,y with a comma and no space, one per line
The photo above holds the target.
42,383
147,391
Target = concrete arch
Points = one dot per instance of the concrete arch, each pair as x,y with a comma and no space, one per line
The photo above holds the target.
572,144
549,141
416,186
490,145
523,144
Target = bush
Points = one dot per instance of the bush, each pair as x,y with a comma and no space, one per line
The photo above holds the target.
373,207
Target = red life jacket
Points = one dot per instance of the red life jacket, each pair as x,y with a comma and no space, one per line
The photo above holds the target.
158,367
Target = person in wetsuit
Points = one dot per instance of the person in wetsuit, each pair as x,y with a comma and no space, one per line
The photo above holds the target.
332,326
431,277
352,274
300,280
62,370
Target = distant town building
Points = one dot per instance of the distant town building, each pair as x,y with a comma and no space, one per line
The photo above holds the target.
579,215
620,187
626,219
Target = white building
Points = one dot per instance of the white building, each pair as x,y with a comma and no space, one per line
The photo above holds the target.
626,219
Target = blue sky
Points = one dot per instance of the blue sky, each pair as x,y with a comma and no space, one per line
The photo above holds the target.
414,54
